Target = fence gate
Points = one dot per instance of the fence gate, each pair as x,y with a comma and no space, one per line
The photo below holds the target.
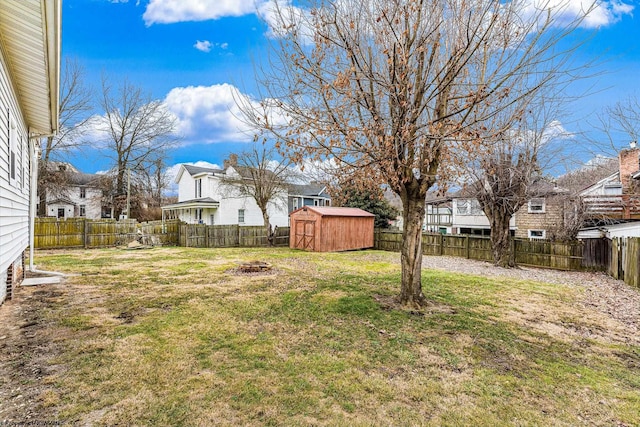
305,235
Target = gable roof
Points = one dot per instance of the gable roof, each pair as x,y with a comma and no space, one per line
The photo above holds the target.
613,178
80,178
197,170
310,190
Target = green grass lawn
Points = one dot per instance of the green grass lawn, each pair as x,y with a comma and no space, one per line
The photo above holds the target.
172,337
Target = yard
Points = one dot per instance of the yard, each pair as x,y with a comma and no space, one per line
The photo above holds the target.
177,336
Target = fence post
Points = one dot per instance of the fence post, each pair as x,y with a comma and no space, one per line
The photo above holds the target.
512,250
466,242
441,249
86,230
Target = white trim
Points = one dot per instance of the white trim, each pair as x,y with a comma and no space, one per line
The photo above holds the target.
531,236
536,211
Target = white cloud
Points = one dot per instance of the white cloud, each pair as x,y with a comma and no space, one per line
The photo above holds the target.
203,45
601,13
279,17
208,113
555,130
172,11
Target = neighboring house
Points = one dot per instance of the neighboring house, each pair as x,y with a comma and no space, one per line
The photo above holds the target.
81,198
29,87
458,213
617,196
545,213
313,194
202,199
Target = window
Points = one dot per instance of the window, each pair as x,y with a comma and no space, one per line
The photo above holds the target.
199,215
83,210
83,193
475,208
212,219
536,206
468,207
295,203
537,234
463,207
316,202
240,216
198,188
612,189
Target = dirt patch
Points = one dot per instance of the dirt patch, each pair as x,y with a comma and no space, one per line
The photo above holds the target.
26,352
388,302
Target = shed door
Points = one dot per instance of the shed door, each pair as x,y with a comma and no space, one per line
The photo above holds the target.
305,234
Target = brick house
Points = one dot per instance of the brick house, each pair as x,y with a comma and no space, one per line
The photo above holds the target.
544,214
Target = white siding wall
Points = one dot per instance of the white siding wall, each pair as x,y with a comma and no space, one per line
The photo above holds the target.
92,203
186,188
470,221
14,194
227,213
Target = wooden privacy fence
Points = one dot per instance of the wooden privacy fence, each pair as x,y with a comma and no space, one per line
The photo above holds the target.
625,260
229,236
83,233
562,256
77,232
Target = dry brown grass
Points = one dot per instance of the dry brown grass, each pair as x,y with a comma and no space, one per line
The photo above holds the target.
175,337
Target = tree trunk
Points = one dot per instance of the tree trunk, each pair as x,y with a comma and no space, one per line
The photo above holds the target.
500,242
267,226
411,251
42,204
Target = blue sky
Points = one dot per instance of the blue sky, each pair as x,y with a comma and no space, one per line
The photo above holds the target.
193,53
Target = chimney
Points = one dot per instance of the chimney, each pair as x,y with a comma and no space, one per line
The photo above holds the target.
231,161
629,163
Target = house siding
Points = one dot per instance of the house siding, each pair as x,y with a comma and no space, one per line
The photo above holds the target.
14,194
227,213
92,203
549,220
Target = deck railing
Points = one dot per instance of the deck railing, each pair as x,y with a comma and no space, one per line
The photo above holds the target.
625,206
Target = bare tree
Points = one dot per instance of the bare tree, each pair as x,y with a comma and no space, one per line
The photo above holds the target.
261,177
623,119
390,86
138,130
75,107
507,171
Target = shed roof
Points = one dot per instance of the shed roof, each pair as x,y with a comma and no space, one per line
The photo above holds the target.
334,211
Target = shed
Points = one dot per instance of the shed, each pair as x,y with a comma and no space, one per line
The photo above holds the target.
329,229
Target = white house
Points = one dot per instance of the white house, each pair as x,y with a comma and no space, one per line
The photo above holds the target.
81,198
458,214
202,199
29,87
